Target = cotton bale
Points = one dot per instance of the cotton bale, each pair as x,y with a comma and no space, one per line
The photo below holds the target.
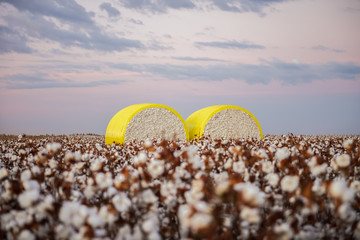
144,121
223,121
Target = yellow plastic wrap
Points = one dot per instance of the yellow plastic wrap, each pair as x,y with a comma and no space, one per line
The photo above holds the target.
197,121
116,128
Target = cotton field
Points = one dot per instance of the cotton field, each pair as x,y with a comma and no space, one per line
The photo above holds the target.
280,187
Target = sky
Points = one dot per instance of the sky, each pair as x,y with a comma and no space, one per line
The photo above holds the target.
68,66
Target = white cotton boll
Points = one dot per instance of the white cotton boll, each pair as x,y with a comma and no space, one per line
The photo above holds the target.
251,193
148,196
68,176
345,212
154,236
283,231
184,213
357,231
69,156
140,158
151,223
108,180
121,202
27,198
355,185
250,214
52,163
261,153
98,147
35,170
26,235
319,169
147,143
282,153
3,173
272,179
89,192
239,167
22,218
338,189
107,216
333,165
25,175
96,165
200,221
228,164
289,183
95,221
267,167
348,143
318,188
203,206
222,187
343,160
156,168
53,147
31,185
22,152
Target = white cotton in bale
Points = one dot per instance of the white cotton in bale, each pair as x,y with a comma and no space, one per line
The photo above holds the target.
223,121
144,121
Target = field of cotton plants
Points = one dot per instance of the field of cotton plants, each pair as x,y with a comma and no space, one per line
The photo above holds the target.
280,187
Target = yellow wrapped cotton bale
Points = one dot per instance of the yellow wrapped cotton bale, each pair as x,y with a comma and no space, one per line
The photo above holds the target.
223,121
143,121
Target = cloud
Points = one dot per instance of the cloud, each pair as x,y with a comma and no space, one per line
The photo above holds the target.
79,31
138,22
162,6
323,48
12,41
157,6
111,11
68,10
244,5
287,73
40,80
230,45
196,59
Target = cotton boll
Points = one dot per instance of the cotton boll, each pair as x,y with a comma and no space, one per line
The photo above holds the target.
319,169
148,197
289,183
283,231
251,194
121,202
239,167
156,168
338,189
282,153
348,143
26,235
106,216
250,214
25,175
3,173
95,220
261,153
53,147
272,179
184,213
140,158
267,166
27,198
200,221
343,160
355,185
